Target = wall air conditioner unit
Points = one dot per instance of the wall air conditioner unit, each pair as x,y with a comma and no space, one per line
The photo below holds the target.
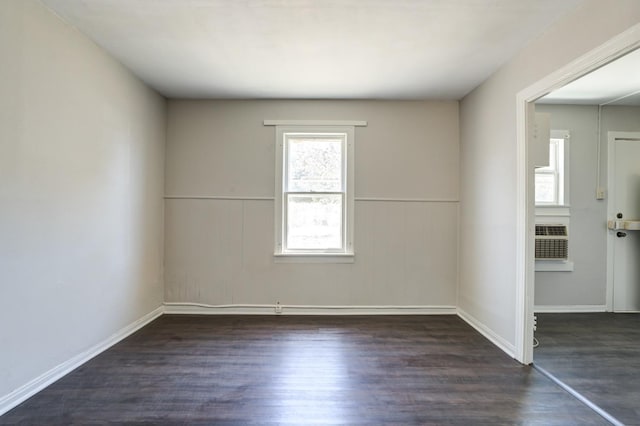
552,242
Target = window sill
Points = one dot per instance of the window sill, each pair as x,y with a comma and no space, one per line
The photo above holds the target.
314,257
554,266
542,210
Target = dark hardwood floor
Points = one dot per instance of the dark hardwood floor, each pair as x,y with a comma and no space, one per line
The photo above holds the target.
242,370
598,355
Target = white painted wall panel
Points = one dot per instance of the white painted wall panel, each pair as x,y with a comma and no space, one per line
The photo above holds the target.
406,252
408,149
219,148
403,246
257,283
81,183
205,254
220,252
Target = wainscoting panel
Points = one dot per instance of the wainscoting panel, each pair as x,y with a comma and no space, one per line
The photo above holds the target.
220,252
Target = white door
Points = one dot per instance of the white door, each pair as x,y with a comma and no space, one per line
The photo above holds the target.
624,205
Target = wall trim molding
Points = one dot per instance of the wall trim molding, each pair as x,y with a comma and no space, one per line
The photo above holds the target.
559,309
19,395
408,200
357,123
217,197
489,334
257,198
177,308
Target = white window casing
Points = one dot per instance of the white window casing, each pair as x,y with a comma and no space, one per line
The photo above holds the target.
314,218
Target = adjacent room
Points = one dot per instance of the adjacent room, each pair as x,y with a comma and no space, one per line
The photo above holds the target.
586,280
295,212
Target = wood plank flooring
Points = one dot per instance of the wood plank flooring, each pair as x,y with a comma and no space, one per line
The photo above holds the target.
244,370
598,355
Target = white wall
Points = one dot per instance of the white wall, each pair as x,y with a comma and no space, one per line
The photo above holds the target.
221,251
616,119
487,291
586,285
81,180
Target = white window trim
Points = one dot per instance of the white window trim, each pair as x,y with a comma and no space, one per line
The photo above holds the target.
346,255
554,266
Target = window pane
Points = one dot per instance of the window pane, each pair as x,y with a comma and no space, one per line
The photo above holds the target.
314,221
546,188
314,165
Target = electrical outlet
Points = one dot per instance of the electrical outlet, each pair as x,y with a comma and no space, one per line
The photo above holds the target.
278,308
600,194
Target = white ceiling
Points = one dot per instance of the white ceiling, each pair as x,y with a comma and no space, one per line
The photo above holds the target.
374,49
616,83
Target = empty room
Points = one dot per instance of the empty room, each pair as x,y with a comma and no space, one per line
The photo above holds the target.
316,212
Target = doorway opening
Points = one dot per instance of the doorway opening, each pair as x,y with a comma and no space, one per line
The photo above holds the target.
525,266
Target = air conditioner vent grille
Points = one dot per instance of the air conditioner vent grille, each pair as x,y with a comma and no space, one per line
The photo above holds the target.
552,242
549,230
552,249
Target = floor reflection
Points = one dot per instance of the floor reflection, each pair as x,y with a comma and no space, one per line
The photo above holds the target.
312,379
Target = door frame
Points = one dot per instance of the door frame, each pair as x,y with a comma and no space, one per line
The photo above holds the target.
525,210
611,138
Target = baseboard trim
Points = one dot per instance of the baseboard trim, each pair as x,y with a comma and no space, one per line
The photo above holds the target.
13,399
562,309
497,340
177,308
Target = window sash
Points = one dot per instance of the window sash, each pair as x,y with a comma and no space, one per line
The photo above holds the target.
290,136
287,225
556,188
555,169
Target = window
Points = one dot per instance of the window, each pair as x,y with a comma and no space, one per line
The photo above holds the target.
551,187
552,195
314,191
